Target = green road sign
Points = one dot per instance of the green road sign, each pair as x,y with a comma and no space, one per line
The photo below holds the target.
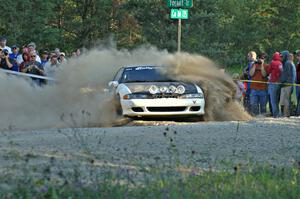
180,3
179,14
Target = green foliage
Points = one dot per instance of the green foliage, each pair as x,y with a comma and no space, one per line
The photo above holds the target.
242,182
224,30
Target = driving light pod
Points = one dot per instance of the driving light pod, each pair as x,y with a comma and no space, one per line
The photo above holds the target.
172,89
163,89
153,89
180,89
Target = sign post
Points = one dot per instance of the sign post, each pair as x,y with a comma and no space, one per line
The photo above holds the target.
179,36
178,13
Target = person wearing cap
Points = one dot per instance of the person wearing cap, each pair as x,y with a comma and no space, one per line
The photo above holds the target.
34,67
286,80
62,58
14,56
3,45
5,61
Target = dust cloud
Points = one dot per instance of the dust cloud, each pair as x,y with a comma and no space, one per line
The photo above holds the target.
219,88
78,99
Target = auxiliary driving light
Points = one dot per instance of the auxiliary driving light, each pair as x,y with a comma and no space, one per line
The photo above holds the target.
180,89
153,89
163,89
172,89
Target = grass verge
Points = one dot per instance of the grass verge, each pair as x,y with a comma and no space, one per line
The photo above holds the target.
248,182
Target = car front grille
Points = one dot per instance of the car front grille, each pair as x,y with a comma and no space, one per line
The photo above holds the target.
166,109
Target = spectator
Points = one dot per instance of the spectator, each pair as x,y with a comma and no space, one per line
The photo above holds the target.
32,48
5,62
3,46
298,82
20,57
78,53
274,71
34,67
240,89
52,66
62,58
251,58
26,60
286,79
57,52
14,56
74,55
259,93
44,58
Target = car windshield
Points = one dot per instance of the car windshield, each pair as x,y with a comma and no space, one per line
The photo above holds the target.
144,74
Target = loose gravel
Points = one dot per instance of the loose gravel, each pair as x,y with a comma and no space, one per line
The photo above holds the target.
205,145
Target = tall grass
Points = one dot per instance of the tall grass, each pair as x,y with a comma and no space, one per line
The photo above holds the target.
251,182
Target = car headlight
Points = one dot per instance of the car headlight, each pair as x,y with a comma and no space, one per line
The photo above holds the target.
135,96
195,95
180,89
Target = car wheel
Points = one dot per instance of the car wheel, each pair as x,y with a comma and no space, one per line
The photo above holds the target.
118,106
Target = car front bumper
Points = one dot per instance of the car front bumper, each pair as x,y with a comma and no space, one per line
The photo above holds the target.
163,107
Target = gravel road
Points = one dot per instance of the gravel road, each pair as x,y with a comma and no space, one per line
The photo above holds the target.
264,140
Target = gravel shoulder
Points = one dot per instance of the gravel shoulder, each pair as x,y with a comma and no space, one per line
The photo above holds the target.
263,140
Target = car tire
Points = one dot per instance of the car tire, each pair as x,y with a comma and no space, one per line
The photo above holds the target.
118,107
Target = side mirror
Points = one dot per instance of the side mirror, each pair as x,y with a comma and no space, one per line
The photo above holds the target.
113,84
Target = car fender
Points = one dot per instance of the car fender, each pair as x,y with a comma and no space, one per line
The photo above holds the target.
199,90
122,90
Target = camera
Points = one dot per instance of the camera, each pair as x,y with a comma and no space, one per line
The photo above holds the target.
258,61
5,53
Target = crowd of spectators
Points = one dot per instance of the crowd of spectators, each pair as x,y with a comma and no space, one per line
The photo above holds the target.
29,60
270,83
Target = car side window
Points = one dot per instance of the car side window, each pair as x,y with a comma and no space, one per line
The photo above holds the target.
119,74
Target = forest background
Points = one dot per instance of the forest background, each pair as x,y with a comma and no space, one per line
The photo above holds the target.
223,30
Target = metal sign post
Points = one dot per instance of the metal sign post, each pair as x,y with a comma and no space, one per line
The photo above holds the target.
179,36
179,14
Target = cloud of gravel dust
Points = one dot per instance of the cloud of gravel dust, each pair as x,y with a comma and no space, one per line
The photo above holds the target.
219,88
78,99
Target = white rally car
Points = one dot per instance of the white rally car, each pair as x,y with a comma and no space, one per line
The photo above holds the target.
145,91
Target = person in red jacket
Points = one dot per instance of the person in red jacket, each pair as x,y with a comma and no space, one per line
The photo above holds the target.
274,70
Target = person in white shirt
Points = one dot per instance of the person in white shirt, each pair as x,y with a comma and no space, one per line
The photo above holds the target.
52,66
3,46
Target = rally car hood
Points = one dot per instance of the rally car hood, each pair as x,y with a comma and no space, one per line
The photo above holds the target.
141,87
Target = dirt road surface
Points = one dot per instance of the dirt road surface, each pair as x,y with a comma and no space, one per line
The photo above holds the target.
274,141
